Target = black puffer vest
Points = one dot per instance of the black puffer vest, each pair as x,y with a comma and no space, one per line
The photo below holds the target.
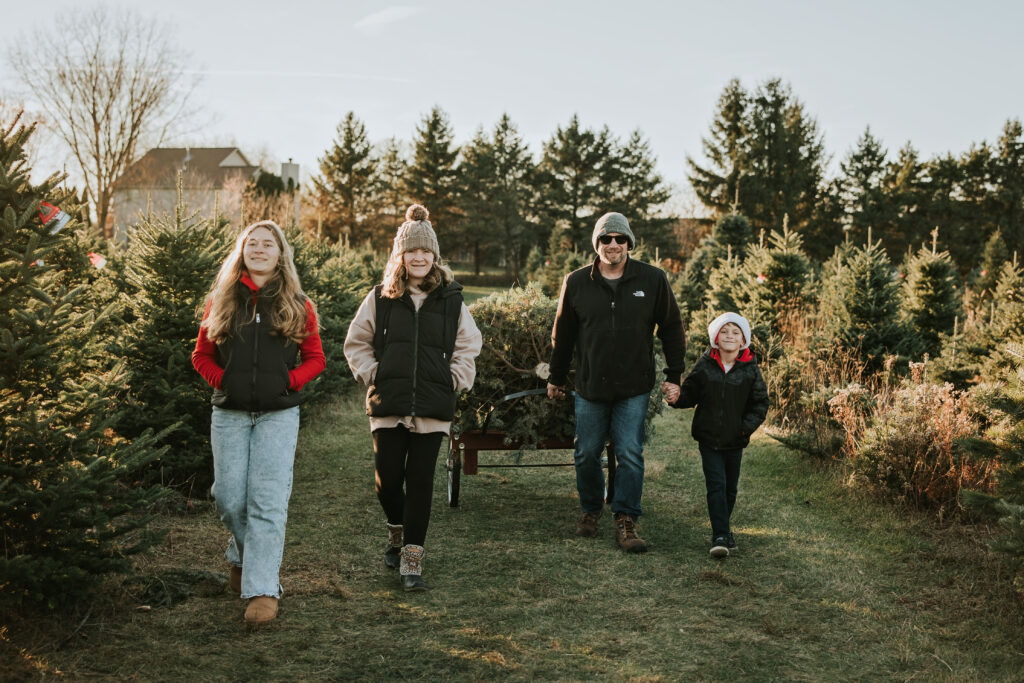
256,359
414,354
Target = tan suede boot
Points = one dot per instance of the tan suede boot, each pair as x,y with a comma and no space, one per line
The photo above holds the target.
235,579
261,610
626,534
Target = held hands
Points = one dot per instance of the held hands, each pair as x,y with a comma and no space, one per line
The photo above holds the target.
669,391
555,392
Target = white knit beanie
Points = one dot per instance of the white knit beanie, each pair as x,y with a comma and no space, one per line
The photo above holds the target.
416,233
716,326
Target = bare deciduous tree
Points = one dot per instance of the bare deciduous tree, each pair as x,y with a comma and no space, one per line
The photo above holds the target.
113,83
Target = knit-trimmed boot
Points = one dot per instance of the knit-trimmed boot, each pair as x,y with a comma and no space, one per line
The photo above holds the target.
393,550
412,568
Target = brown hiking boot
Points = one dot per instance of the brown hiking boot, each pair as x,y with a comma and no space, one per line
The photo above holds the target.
587,526
626,536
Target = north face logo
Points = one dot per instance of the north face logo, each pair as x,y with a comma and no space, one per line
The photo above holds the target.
638,292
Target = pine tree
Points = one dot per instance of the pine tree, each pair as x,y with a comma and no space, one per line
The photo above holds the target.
862,191
549,267
65,514
344,185
993,257
905,191
638,191
432,179
171,263
734,232
931,298
766,155
775,281
497,174
859,304
573,179
1006,202
719,185
389,198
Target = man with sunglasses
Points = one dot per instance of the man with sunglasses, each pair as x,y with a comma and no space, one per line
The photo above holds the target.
607,315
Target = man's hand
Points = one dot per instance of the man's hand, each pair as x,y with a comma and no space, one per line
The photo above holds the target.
669,391
555,392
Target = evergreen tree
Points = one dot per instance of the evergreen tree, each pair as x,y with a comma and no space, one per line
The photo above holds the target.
638,191
389,197
1006,202
993,257
432,179
549,267
957,195
718,185
734,232
766,155
862,191
931,298
859,304
572,179
65,515
170,264
497,175
774,281
905,191
344,186
336,277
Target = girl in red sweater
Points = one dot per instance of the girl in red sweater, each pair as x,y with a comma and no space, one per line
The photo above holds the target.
258,346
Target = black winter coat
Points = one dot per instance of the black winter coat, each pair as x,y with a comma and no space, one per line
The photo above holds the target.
730,405
611,333
414,354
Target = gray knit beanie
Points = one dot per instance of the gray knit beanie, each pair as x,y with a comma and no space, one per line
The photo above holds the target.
612,222
416,233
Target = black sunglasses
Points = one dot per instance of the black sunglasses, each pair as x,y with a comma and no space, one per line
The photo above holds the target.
619,239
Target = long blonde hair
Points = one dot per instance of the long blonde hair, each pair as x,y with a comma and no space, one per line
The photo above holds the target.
288,310
396,278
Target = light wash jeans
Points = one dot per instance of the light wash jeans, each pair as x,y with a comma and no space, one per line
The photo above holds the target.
623,421
253,455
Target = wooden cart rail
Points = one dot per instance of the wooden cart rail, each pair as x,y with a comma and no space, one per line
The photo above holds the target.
463,450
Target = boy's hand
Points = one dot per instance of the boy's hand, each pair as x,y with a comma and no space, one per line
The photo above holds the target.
670,391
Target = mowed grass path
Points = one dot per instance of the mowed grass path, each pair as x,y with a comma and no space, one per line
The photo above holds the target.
827,585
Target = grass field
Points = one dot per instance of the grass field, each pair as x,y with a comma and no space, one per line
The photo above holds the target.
826,585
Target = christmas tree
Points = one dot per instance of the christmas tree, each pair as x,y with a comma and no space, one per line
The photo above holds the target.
931,298
859,304
65,509
170,264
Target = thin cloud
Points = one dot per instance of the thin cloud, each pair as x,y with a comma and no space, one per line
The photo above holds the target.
375,23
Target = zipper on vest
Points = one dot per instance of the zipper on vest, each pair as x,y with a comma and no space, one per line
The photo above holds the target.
255,358
415,356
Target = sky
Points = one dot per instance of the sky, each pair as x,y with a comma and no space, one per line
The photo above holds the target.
277,77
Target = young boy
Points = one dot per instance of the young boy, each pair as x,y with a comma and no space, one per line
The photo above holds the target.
732,401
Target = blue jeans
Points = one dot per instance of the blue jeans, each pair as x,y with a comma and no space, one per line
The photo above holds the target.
623,421
721,477
252,469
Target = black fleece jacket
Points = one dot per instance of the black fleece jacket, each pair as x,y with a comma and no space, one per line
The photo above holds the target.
611,332
730,405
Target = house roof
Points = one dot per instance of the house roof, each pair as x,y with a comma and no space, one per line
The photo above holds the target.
202,168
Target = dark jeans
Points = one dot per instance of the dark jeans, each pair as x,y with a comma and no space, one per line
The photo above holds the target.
623,421
404,464
721,476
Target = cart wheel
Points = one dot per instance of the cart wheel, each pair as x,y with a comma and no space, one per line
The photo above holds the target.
454,466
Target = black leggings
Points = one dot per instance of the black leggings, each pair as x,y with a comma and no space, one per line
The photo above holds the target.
404,463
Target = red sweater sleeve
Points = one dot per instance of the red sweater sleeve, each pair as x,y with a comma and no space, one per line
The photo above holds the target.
204,356
312,352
